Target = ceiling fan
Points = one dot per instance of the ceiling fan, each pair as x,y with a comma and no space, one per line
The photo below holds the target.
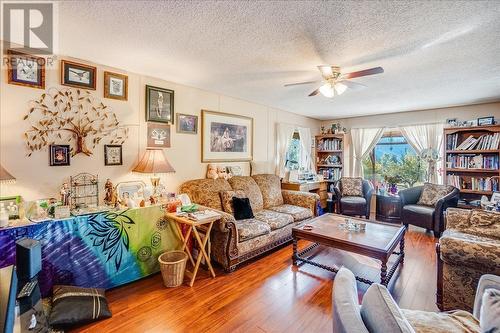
335,83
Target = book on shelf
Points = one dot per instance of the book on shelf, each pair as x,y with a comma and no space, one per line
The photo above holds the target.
474,183
331,174
330,144
483,142
472,161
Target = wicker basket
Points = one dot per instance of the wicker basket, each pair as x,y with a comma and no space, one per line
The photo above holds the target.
173,265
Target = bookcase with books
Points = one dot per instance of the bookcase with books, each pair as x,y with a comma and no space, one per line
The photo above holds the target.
472,162
329,157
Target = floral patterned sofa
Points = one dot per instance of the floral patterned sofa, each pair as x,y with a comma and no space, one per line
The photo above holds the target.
276,211
468,248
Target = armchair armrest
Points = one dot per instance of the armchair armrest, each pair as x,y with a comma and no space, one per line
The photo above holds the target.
411,195
301,199
457,218
487,281
449,200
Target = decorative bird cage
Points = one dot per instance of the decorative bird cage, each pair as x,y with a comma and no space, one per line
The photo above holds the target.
84,190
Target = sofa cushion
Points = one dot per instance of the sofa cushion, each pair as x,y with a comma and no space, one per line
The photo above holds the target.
226,198
298,213
242,209
353,200
431,194
462,249
270,187
346,315
380,312
205,192
418,215
351,186
490,311
443,322
248,185
274,219
251,228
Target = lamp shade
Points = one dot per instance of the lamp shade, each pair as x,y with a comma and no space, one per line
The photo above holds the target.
5,176
153,161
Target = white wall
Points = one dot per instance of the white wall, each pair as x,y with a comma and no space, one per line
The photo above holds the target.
36,179
468,112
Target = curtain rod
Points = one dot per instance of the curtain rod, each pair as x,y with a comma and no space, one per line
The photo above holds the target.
397,126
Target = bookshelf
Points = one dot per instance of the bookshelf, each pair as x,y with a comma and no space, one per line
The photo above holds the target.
472,157
329,150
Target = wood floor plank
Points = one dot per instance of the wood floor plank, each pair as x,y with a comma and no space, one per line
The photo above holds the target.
268,295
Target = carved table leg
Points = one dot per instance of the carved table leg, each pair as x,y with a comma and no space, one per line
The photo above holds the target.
383,273
294,255
402,249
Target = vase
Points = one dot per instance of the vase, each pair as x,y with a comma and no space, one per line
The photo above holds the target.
394,188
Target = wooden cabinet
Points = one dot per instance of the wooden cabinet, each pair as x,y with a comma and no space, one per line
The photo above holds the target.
329,149
319,187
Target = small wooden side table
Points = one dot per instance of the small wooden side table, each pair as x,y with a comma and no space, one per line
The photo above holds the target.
195,227
388,208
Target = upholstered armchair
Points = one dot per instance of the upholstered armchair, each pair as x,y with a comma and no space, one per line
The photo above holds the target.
431,214
354,196
468,249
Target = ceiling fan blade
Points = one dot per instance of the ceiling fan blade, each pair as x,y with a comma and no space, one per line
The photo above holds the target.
314,93
326,71
299,83
353,85
365,72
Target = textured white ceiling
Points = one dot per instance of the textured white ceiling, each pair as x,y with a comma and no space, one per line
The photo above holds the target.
435,53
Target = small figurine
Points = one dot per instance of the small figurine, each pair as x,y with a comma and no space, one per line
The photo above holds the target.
65,193
212,171
222,173
110,196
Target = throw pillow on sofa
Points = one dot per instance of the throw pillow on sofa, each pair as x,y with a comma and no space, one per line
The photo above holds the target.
226,198
73,306
242,209
432,193
352,186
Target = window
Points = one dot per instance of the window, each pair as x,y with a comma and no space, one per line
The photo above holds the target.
393,161
293,153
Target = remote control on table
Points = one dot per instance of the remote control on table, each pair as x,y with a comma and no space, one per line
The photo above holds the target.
27,289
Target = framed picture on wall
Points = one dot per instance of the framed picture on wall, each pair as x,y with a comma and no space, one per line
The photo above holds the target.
485,121
113,155
187,123
78,75
159,105
226,137
158,135
25,70
59,155
115,86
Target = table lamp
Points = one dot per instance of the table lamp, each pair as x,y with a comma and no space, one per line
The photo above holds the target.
5,176
154,162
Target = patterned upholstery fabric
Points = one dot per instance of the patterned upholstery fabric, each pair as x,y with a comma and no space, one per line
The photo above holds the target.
432,193
270,186
451,322
251,228
469,248
248,185
226,198
205,191
298,213
264,240
351,186
300,199
479,252
274,219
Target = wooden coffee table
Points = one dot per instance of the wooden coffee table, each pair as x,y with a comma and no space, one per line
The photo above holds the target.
378,241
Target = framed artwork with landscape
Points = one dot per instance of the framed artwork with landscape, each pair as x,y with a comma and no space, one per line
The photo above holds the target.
187,123
226,137
78,75
159,105
115,86
25,70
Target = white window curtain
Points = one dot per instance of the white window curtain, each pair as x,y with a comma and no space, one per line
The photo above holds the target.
305,152
284,135
427,136
363,140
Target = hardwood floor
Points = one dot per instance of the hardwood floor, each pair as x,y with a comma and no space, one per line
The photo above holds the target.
268,295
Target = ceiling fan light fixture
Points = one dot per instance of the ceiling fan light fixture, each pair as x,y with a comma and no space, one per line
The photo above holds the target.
340,88
327,90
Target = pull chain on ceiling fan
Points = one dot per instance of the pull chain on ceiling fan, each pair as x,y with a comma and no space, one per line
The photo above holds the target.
335,83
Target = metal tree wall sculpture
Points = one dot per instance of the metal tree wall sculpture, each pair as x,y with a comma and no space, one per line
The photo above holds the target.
71,115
